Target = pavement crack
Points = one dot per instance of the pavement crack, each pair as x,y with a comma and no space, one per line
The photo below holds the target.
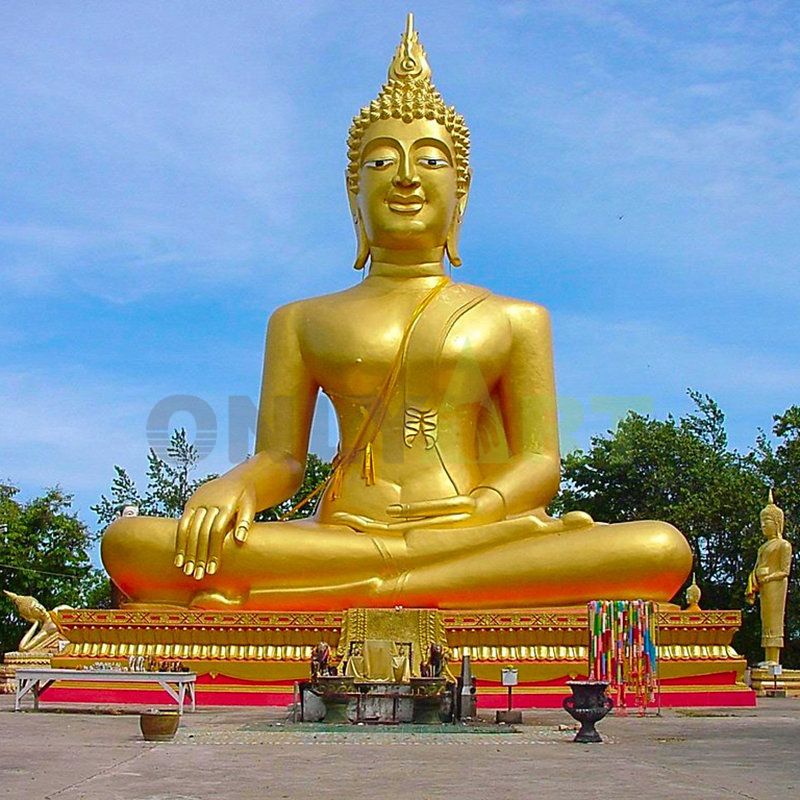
100,773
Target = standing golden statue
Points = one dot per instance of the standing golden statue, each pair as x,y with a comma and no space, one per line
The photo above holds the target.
770,579
446,403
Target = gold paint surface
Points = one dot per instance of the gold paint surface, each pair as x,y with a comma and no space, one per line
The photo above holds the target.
770,580
445,398
545,644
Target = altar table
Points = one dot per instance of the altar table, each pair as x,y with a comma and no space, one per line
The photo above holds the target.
37,681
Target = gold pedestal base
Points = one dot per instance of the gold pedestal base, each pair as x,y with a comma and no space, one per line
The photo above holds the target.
20,660
764,684
259,655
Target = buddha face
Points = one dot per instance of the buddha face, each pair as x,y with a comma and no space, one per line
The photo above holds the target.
40,612
35,612
407,185
770,526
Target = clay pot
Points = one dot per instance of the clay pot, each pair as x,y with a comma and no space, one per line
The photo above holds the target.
588,705
159,725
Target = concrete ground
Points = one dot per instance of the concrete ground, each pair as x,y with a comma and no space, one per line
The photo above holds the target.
238,754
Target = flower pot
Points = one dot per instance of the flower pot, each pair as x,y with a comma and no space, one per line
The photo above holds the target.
159,725
588,705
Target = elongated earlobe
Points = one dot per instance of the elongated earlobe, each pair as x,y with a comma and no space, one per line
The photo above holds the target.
362,243
362,251
451,243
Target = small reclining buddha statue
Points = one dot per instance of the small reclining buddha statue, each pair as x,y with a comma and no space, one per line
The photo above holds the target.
445,399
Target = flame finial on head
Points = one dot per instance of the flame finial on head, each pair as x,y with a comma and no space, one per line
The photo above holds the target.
409,62
693,595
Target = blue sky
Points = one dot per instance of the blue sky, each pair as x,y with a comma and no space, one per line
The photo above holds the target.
172,172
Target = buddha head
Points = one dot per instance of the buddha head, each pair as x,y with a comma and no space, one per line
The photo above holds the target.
408,170
29,608
772,519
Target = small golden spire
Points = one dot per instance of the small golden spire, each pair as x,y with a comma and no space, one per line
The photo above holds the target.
409,62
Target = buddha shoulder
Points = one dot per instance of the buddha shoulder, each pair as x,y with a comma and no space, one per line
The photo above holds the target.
525,318
521,317
295,316
341,311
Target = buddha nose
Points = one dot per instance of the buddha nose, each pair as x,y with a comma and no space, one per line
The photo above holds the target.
406,174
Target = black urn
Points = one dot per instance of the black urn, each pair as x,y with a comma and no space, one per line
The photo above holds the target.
588,705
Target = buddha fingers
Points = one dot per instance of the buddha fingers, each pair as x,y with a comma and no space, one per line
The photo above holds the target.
430,508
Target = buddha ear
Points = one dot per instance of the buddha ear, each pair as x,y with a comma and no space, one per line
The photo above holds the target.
362,243
451,244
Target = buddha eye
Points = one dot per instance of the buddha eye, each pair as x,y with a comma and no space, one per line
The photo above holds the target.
378,163
433,163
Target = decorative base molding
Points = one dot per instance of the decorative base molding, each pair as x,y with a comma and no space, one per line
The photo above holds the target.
247,657
20,660
763,683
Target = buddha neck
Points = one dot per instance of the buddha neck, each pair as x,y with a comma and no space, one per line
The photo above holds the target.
404,264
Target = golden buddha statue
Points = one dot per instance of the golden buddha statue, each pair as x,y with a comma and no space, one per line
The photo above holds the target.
43,632
770,579
693,595
446,404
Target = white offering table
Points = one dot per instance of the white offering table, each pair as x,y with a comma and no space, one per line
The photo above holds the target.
37,681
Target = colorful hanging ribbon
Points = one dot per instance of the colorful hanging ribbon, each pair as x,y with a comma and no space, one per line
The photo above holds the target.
623,649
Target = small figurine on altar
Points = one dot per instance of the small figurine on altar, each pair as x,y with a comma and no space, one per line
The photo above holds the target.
434,666
321,661
770,579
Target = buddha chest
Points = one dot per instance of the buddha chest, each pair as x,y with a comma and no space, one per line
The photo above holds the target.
456,349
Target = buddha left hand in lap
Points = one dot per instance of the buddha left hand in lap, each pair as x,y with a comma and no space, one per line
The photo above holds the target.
445,399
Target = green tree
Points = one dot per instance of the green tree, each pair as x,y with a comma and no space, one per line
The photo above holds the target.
169,483
44,552
681,471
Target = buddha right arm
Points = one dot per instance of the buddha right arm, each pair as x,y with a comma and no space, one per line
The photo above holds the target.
771,565
770,577
229,503
526,395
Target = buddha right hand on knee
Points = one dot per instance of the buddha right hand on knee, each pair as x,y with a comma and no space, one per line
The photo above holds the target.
221,506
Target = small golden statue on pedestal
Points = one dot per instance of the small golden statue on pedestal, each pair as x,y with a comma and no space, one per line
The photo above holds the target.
43,634
770,579
693,595
39,643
